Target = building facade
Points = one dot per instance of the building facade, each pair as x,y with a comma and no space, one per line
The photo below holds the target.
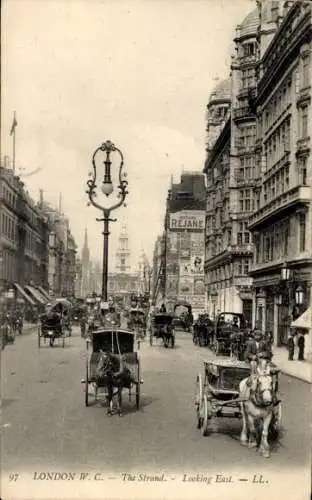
230,173
182,255
62,251
24,235
282,222
258,157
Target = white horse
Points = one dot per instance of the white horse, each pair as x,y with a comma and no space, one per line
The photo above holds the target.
258,393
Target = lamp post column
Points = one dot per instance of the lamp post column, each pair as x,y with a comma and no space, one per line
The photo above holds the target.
105,257
107,188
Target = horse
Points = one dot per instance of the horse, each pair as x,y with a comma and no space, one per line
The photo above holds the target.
114,375
259,403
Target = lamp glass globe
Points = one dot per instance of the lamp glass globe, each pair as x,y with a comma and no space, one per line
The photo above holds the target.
107,188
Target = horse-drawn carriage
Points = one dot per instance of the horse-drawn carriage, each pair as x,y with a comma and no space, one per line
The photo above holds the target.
230,389
137,322
162,327
203,330
230,334
55,323
112,366
183,315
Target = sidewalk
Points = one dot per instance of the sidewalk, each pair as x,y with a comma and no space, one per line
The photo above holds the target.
298,369
28,327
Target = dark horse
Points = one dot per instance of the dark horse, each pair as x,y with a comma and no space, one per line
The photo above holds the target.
112,373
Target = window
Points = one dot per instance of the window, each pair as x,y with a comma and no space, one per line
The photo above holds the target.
302,232
305,72
302,170
249,49
304,122
245,198
274,11
248,78
229,237
243,267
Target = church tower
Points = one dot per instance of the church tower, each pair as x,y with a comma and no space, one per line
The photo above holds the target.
85,265
123,252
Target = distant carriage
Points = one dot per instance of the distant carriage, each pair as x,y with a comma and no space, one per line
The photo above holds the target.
162,327
203,330
137,321
230,334
55,324
119,343
183,315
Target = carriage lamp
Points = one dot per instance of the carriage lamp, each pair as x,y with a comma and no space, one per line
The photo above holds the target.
279,299
107,148
299,295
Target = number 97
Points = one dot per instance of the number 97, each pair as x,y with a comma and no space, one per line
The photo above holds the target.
13,477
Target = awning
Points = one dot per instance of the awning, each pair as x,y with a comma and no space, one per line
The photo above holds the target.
43,293
24,294
36,294
304,321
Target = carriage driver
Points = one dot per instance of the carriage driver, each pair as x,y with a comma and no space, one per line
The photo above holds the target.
259,354
257,347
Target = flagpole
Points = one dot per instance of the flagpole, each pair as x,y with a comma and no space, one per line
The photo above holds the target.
13,128
14,150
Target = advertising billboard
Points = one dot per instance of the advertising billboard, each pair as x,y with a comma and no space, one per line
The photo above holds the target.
187,220
173,242
197,264
172,286
186,285
199,286
197,301
185,268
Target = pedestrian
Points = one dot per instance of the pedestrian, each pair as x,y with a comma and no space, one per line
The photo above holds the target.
301,342
291,345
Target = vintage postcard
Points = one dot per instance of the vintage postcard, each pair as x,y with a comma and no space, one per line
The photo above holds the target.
155,249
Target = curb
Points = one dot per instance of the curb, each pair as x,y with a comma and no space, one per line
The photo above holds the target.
298,377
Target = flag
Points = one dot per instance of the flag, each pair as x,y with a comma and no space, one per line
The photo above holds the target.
14,124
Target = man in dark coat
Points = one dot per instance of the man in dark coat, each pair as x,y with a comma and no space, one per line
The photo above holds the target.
256,347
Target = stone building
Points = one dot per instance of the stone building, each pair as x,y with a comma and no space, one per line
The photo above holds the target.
182,249
123,283
61,253
230,173
260,160
24,236
282,221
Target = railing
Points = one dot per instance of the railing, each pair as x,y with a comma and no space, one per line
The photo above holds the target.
284,160
249,58
298,193
243,112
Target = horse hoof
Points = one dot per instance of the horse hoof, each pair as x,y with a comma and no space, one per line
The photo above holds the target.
253,445
265,453
120,414
244,443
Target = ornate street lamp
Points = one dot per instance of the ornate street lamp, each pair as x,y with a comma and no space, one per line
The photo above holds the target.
107,188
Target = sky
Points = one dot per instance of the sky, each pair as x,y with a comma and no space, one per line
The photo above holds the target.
137,72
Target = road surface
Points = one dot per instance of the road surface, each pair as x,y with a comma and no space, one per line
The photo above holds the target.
46,426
